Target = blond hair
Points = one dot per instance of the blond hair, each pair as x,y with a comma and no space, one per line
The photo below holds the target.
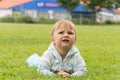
62,23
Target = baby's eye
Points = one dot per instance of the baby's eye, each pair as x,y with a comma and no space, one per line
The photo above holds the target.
70,33
60,33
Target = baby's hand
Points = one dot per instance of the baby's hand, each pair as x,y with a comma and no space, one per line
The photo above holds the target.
63,73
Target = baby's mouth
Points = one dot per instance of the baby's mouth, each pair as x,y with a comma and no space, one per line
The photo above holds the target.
65,40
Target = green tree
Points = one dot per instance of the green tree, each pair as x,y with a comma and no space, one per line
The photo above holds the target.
117,3
71,4
68,4
103,3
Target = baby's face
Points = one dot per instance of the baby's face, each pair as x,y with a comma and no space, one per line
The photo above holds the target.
64,37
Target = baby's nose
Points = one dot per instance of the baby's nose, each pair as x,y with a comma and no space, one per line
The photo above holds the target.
65,34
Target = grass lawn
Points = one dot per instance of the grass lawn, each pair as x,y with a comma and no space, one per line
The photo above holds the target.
99,45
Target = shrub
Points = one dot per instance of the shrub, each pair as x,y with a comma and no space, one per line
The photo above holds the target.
109,22
8,19
76,21
46,21
41,20
83,21
28,19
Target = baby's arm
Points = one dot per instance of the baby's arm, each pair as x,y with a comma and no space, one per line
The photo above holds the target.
45,64
79,66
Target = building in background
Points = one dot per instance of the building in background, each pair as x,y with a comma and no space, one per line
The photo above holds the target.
82,11
5,6
5,12
34,8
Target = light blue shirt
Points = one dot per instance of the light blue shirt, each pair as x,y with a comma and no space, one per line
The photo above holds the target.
51,62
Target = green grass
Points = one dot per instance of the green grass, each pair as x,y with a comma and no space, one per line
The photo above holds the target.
99,45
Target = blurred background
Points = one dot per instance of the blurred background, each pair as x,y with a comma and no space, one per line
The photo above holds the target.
49,11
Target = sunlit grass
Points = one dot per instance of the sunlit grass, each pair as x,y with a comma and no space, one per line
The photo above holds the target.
99,45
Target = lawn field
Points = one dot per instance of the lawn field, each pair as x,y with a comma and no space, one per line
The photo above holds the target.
99,46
